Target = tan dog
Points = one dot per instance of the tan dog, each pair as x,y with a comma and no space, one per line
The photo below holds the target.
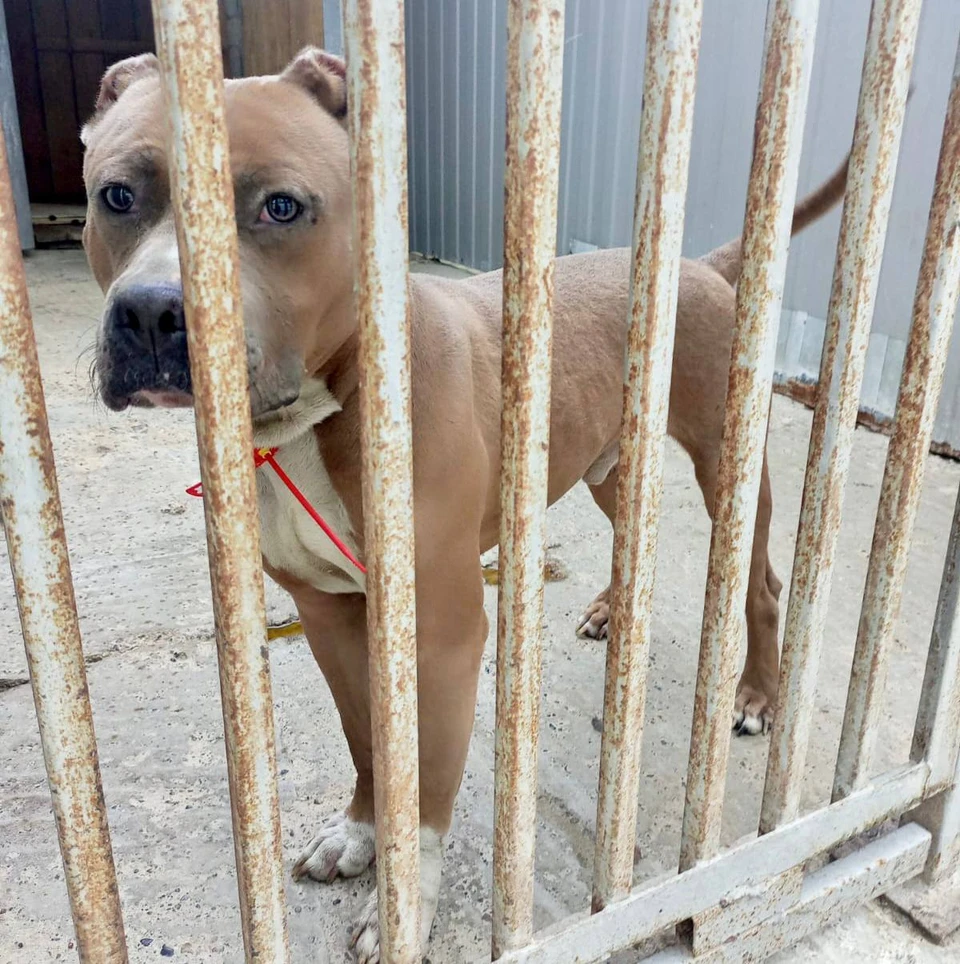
289,157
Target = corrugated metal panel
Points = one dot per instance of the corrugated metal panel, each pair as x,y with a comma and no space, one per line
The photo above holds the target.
332,32
456,112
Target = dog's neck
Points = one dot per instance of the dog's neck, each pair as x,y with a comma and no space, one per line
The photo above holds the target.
315,404
340,371
339,364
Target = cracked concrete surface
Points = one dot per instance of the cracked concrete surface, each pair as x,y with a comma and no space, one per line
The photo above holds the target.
139,564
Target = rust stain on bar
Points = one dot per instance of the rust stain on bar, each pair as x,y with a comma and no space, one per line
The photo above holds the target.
883,94
188,44
934,308
785,81
36,543
670,74
374,32
534,88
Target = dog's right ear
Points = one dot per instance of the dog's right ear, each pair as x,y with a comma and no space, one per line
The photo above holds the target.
121,75
323,76
115,81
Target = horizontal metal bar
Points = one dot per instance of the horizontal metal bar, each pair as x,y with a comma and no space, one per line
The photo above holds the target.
37,549
534,88
653,907
670,73
784,85
188,43
934,310
745,910
828,896
873,161
374,35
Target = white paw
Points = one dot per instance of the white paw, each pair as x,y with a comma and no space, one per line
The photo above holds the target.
748,724
594,623
365,933
343,848
752,710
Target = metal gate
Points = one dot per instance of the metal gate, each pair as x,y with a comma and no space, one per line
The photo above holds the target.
738,904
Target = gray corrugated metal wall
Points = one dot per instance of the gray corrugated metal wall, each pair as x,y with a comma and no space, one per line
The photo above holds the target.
455,71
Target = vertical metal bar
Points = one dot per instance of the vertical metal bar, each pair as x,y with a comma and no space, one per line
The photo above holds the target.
374,35
936,736
188,43
534,87
873,161
785,82
944,856
934,307
669,85
36,544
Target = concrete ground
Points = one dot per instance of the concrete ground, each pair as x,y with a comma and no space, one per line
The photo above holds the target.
140,571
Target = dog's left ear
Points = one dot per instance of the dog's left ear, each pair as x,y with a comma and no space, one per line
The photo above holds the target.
323,76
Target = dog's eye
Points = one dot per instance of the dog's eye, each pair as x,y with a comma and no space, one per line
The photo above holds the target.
281,209
117,197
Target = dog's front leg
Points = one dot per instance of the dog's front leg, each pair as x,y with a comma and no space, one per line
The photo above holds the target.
451,630
336,628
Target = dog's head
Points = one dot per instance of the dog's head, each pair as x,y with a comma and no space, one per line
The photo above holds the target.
290,163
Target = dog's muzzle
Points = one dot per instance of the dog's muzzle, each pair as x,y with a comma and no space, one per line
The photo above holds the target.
142,356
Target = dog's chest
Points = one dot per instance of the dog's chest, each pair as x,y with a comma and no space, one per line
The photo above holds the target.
291,541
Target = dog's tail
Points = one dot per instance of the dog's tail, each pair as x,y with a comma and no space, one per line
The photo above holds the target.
725,260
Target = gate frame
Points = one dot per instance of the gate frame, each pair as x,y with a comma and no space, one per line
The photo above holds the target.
749,900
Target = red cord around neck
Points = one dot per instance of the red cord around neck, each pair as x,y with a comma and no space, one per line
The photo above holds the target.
268,456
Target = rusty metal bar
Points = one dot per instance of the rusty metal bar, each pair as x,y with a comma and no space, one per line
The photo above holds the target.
374,35
934,308
534,86
785,81
873,161
936,736
188,44
670,74
36,544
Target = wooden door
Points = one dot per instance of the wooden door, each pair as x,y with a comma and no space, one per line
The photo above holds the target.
60,50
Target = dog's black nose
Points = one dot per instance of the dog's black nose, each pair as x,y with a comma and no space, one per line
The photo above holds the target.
142,356
152,313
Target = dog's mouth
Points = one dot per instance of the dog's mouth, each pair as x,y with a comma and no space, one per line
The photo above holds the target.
268,404
124,375
155,398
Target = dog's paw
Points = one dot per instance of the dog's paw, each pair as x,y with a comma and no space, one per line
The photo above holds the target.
343,848
752,711
594,622
365,933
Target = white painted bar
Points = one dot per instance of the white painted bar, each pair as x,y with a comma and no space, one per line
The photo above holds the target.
651,908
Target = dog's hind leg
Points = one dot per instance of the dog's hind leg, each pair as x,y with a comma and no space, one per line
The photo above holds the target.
593,624
757,689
